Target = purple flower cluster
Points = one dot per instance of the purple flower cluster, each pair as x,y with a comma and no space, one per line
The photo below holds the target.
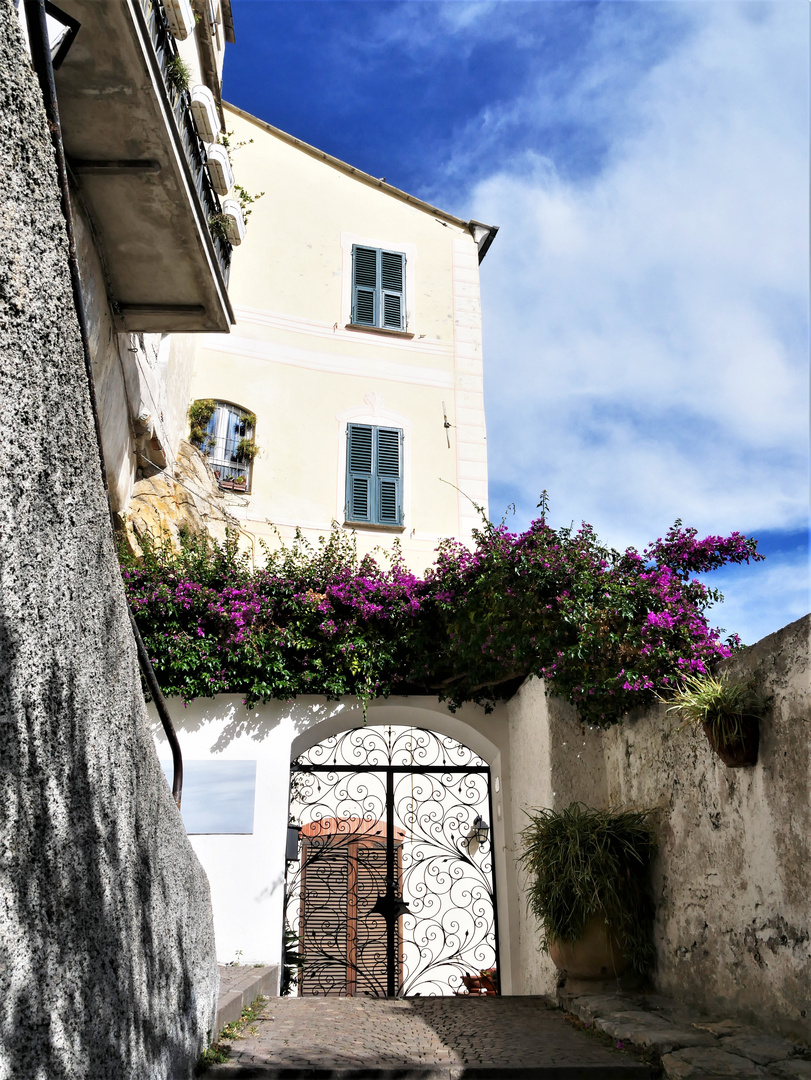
606,629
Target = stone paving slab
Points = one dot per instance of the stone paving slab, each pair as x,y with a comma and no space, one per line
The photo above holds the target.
691,1044
421,1039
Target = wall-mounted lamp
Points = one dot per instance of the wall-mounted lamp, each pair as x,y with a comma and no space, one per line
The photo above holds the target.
481,830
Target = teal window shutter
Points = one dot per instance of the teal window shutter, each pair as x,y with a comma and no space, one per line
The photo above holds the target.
365,299
378,288
389,476
374,475
392,294
359,454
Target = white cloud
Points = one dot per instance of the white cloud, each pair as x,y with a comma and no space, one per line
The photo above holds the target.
760,599
646,327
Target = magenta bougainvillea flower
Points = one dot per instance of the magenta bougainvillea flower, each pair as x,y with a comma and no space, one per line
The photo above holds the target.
606,629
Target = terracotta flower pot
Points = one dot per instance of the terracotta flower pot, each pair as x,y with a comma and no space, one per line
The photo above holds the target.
594,956
741,751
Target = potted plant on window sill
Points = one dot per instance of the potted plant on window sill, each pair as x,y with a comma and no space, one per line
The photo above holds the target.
588,872
727,710
234,483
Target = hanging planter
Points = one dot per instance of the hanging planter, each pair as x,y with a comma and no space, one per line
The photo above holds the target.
728,711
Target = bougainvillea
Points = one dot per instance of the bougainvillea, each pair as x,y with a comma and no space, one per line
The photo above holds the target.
606,629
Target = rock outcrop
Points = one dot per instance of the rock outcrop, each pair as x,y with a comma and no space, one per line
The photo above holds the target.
166,505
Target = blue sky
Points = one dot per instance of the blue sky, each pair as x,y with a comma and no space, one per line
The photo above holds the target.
646,301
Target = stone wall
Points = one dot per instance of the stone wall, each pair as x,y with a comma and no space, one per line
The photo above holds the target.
107,962
732,880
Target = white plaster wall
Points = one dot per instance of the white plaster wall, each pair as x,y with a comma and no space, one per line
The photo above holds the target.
246,872
294,362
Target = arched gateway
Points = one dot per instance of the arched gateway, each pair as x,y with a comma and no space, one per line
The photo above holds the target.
390,889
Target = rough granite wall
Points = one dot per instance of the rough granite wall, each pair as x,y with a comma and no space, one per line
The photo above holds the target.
732,880
107,960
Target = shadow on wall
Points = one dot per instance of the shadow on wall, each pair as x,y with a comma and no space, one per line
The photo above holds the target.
111,970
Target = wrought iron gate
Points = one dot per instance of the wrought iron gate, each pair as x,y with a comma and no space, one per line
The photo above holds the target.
392,892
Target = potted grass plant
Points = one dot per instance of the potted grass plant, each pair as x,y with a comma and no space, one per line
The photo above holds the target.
588,885
727,709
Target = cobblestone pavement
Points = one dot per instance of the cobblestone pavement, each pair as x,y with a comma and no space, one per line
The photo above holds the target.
691,1045
420,1038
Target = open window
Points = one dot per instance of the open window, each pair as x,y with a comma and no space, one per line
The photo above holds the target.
231,446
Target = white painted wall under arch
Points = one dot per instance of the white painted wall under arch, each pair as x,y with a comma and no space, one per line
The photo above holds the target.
246,872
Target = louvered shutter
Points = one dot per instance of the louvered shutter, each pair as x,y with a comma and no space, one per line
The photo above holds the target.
392,267
389,480
359,493
365,285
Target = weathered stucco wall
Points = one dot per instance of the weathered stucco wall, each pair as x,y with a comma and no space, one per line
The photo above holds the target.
732,880
107,963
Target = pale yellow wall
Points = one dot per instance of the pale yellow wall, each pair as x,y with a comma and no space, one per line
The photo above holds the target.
292,360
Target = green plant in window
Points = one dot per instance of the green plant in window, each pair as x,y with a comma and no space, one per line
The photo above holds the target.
200,413
246,449
178,74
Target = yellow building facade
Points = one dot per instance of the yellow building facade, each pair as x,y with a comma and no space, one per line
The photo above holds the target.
355,364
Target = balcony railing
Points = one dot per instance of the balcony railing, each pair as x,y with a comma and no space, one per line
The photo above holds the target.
193,146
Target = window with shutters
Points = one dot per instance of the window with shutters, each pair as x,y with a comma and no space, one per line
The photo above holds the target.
374,474
378,288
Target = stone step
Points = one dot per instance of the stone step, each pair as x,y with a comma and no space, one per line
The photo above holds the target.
691,1043
239,986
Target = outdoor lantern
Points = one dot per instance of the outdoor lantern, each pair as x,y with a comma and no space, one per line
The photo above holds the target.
481,830
291,850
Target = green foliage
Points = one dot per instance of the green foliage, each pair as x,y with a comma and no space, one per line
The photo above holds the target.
292,960
718,701
246,449
218,226
219,1051
607,630
200,412
583,862
245,200
178,74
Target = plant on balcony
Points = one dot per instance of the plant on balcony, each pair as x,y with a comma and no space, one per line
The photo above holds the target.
587,876
247,423
178,74
218,226
245,200
729,712
243,196
199,414
246,449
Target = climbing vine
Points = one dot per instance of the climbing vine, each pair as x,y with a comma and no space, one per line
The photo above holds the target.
606,629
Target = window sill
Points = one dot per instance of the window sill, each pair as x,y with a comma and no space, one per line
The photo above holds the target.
379,330
373,526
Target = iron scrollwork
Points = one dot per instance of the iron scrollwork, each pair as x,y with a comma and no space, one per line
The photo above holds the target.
394,891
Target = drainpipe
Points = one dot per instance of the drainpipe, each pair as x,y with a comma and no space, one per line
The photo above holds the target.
41,57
